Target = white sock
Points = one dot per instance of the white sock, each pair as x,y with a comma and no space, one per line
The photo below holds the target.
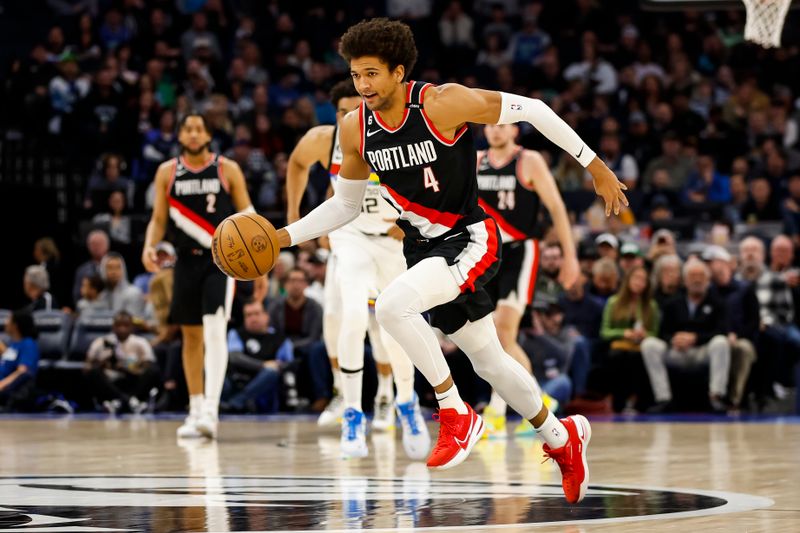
385,388
450,399
337,380
196,404
216,358
351,388
553,432
498,404
405,388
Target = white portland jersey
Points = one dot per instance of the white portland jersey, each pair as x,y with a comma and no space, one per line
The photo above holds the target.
374,209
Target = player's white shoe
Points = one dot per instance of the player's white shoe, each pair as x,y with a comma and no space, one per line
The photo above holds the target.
332,415
383,419
206,424
416,439
354,434
188,430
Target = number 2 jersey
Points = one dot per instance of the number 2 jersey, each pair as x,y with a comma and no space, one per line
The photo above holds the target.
199,199
504,196
427,178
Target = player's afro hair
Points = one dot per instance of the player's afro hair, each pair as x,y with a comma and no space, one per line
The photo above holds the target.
343,89
389,40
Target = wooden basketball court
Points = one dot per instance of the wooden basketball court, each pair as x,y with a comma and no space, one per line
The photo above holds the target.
130,474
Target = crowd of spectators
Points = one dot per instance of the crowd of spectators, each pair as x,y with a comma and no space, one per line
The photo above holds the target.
701,126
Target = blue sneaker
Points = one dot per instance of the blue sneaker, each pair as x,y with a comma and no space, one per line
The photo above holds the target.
416,439
354,434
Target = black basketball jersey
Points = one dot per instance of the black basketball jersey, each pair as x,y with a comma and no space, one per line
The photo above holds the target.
429,179
199,199
504,196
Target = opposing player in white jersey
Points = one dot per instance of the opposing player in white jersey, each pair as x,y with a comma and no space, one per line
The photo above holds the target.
366,255
513,183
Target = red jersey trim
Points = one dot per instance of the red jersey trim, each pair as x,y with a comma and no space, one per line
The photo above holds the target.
197,169
432,127
504,224
534,271
489,257
431,215
172,178
387,127
202,223
361,126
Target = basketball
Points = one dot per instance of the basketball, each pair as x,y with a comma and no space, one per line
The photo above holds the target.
245,246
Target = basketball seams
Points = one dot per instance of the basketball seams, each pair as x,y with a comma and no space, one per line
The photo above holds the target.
246,247
272,242
230,272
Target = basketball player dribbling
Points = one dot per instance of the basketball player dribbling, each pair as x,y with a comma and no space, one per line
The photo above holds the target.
416,137
366,255
193,194
512,185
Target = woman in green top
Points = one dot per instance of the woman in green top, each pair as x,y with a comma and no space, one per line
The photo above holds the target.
629,317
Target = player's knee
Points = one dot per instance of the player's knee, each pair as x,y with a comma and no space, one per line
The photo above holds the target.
389,308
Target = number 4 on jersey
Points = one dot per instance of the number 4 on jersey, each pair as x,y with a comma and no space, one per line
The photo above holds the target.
430,179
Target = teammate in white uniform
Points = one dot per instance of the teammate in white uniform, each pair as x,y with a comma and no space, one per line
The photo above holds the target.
366,255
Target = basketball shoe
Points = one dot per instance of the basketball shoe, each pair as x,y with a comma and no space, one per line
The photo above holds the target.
457,435
354,434
495,424
206,424
332,415
416,439
188,430
571,458
383,419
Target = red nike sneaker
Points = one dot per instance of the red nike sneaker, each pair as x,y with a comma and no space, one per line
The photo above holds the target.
457,435
571,457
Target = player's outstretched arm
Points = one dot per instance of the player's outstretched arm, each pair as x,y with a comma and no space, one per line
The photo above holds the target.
158,220
313,147
537,174
451,105
345,204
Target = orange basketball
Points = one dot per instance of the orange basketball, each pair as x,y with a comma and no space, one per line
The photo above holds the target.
245,246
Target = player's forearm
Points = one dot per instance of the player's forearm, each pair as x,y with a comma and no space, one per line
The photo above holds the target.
343,207
563,230
296,183
155,233
515,108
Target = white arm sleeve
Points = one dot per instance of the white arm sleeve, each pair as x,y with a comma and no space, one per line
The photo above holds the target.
517,108
341,208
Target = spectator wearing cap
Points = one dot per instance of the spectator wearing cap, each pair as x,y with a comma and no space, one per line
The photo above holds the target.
677,165
607,246
19,361
550,345
630,256
692,333
743,318
605,278
36,285
629,317
666,279
165,258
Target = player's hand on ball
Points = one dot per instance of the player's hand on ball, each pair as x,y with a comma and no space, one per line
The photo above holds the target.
569,272
607,186
150,259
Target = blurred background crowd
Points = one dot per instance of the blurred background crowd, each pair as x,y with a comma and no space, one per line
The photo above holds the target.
700,125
